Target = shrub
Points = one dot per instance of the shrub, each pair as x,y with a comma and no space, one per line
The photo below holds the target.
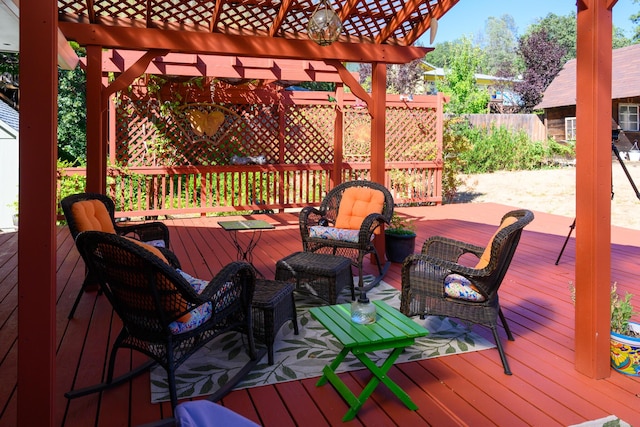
501,149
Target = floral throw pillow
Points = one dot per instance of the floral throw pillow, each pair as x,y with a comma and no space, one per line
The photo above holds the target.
457,286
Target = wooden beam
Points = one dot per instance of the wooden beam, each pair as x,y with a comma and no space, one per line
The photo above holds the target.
37,200
593,188
353,84
221,44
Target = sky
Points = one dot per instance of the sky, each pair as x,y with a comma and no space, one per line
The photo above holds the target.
468,17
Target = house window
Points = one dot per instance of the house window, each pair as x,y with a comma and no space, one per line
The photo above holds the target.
628,117
570,128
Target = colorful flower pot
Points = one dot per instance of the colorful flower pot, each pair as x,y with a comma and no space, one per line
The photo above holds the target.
625,352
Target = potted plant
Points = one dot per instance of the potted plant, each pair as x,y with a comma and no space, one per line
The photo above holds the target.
625,335
400,238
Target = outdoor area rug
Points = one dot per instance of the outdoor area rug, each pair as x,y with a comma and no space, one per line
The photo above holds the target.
303,356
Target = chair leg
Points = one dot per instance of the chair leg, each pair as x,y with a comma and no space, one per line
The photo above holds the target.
505,325
503,356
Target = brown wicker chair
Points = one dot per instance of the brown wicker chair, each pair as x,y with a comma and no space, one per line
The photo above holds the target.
356,251
155,232
149,296
424,274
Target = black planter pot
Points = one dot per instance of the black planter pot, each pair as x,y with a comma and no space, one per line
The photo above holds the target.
399,246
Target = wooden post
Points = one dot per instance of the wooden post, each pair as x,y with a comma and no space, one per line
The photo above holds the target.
593,188
96,145
338,137
378,134
37,202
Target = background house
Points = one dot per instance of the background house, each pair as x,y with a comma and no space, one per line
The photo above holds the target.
559,101
8,164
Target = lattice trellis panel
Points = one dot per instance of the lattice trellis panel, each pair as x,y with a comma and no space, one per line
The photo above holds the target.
309,134
357,135
411,134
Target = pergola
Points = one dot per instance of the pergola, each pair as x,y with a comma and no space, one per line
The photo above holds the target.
378,32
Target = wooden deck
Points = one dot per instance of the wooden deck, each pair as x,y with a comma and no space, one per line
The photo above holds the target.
466,389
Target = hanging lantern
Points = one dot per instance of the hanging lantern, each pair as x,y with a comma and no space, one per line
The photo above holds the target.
324,25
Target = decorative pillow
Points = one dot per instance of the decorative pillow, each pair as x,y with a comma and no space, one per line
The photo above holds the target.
198,315
332,233
356,204
156,243
92,215
486,255
457,286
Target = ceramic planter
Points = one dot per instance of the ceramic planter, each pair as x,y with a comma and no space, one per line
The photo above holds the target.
399,246
625,352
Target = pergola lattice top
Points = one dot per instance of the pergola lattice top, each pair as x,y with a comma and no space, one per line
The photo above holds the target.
394,22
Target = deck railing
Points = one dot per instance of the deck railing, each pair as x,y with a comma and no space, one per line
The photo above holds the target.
154,191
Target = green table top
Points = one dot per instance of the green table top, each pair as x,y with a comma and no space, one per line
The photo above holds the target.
390,325
250,224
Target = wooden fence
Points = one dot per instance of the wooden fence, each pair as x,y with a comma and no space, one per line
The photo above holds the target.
529,123
154,191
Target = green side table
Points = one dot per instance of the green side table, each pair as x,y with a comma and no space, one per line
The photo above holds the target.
392,330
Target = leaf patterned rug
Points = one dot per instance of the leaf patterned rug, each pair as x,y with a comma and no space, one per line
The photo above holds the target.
303,356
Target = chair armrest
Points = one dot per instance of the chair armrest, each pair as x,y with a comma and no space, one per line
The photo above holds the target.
370,223
309,216
146,231
449,249
230,273
437,268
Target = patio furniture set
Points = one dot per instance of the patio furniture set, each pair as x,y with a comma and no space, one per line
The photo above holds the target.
168,315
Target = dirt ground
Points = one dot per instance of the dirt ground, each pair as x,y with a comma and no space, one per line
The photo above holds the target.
553,191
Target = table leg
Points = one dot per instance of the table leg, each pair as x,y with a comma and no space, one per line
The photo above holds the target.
246,254
379,375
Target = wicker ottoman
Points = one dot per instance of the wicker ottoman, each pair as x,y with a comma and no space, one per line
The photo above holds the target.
272,305
321,275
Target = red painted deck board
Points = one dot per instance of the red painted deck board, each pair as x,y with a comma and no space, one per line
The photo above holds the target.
466,389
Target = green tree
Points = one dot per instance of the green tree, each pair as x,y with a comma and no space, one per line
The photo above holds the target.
460,83
72,114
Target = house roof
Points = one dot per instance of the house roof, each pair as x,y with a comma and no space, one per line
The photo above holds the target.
9,116
625,79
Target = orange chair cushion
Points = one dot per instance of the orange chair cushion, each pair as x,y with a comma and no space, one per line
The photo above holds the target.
356,204
148,247
92,215
486,255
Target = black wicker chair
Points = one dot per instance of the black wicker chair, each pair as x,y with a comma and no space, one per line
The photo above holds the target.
424,275
149,295
77,206
327,214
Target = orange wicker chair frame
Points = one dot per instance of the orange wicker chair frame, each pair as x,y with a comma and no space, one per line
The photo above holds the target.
145,232
424,274
149,295
356,251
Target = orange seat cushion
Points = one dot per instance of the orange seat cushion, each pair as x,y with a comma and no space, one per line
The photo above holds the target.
356,204
92,215
486,255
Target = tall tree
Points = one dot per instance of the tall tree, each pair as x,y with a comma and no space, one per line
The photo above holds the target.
499,42
543,60
635,18
460,82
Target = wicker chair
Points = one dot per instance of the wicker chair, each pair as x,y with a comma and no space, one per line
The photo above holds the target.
152,299
356,250
77,207
433,283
